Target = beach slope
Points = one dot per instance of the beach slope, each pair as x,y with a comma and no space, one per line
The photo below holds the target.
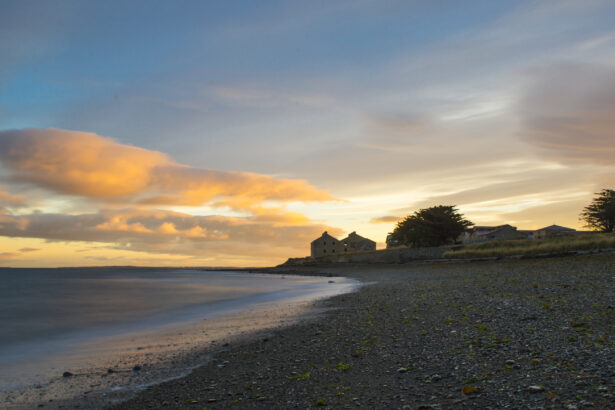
526,333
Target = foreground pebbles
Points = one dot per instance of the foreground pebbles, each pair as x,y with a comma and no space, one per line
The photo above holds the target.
524,334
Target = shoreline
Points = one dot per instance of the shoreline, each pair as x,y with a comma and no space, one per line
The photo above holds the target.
524,333
112,368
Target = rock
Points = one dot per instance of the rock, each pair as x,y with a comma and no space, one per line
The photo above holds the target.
110,370
136,368
402,370
470,390
67,374
535,389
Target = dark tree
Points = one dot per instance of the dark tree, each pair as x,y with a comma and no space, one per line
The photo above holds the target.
600,214
435,226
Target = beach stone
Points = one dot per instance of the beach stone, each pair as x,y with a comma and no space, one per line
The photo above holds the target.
136,368
67,374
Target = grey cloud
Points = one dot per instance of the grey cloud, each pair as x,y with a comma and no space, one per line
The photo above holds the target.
568,113
168,232
385,219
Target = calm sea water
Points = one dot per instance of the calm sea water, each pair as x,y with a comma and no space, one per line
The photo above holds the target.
51,312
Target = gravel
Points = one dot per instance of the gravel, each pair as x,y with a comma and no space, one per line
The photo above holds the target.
520,333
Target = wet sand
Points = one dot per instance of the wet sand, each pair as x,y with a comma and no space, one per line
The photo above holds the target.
524,334
110,369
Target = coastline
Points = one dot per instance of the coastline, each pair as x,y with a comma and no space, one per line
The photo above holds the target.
105,369
524,333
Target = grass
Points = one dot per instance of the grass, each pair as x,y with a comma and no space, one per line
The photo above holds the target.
533,247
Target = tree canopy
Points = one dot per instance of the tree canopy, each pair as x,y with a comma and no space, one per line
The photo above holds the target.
600,214
435,226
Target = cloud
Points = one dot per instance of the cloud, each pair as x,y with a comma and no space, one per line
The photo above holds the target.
157,231
9,255
385,219
29,250
8,199
88,165
568,113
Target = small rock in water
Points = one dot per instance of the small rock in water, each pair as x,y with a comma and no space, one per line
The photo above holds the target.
110,370
331,281
136,368
67,374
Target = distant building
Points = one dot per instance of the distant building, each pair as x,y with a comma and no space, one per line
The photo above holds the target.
355,243
478,234
325,245
552,231
328,245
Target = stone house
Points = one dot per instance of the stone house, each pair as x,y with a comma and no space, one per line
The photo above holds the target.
355,243
328,245
552,231
325,245
478,234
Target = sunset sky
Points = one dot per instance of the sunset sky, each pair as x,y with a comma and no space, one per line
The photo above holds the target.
200,133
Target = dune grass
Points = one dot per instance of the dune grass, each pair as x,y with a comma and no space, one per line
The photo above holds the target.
532,247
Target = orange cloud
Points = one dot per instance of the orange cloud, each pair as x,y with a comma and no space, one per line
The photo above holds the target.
88,165
9,255
11,199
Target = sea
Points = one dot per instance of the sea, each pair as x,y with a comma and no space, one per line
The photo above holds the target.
94,336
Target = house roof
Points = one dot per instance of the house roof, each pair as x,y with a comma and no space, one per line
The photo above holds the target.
556,228
485,230
325,235
355,236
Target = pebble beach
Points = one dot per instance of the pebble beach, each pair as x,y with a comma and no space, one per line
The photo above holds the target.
536,333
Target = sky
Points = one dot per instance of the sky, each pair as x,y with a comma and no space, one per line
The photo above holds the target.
201,133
